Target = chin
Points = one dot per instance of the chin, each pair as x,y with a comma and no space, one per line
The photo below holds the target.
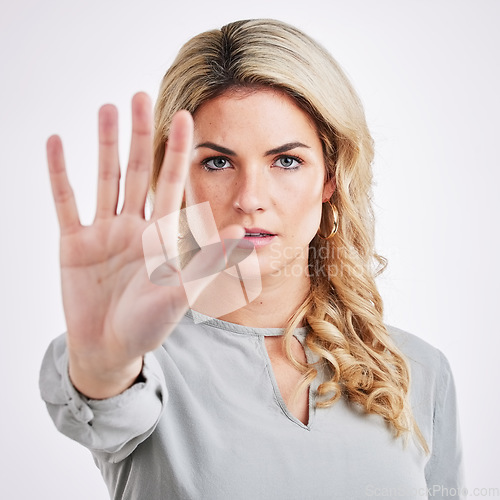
280,269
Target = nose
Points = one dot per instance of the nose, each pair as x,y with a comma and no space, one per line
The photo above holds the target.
250,191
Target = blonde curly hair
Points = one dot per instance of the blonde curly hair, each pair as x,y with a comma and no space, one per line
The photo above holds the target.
344,310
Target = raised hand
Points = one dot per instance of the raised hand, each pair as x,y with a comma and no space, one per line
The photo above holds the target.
114,314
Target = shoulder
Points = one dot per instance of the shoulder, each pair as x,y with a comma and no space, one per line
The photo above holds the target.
430,371
416,350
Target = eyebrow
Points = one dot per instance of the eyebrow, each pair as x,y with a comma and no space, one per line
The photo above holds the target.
280,149
216,147
286,147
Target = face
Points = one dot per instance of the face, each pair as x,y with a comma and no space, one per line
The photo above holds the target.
258,161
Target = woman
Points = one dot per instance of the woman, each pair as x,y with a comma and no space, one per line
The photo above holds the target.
182,390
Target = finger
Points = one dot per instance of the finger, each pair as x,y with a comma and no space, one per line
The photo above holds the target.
141,153
173,303
215,290
173,173
109,167
210,260
64,199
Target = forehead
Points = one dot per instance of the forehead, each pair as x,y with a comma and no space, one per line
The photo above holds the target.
265,114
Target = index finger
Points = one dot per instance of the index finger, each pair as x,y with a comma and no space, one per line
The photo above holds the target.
173,173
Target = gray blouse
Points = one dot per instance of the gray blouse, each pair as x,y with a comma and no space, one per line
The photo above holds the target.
209,423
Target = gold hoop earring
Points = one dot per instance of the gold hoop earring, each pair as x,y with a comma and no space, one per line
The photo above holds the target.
335,225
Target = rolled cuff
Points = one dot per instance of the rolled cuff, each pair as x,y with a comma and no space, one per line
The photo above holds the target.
111,428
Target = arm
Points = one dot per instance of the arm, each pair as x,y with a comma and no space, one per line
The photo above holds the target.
114,314
110,428
445,467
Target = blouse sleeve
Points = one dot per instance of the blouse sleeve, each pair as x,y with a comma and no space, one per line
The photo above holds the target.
444,470
111,428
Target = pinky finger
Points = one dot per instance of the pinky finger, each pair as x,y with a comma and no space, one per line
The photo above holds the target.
64,199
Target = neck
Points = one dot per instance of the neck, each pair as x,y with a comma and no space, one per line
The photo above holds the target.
277,303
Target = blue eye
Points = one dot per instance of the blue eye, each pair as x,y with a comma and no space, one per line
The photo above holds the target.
216,163
288,162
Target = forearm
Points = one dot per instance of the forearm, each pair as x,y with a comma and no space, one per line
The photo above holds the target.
98,383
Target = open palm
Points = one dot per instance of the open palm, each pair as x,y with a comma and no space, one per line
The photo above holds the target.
114,314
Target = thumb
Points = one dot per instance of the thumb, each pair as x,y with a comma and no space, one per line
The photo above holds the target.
208,288
212,259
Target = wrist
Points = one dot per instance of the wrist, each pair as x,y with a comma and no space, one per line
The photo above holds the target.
103,384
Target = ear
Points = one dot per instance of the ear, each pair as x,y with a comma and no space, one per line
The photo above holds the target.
328,189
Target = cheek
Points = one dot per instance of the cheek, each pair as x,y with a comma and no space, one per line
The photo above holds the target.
311,220
198,191
303,218
306,203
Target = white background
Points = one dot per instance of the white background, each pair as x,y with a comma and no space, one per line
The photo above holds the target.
428,73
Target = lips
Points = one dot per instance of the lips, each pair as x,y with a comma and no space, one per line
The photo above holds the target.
257,237
257,232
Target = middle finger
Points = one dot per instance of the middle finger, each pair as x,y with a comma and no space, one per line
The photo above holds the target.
141,154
